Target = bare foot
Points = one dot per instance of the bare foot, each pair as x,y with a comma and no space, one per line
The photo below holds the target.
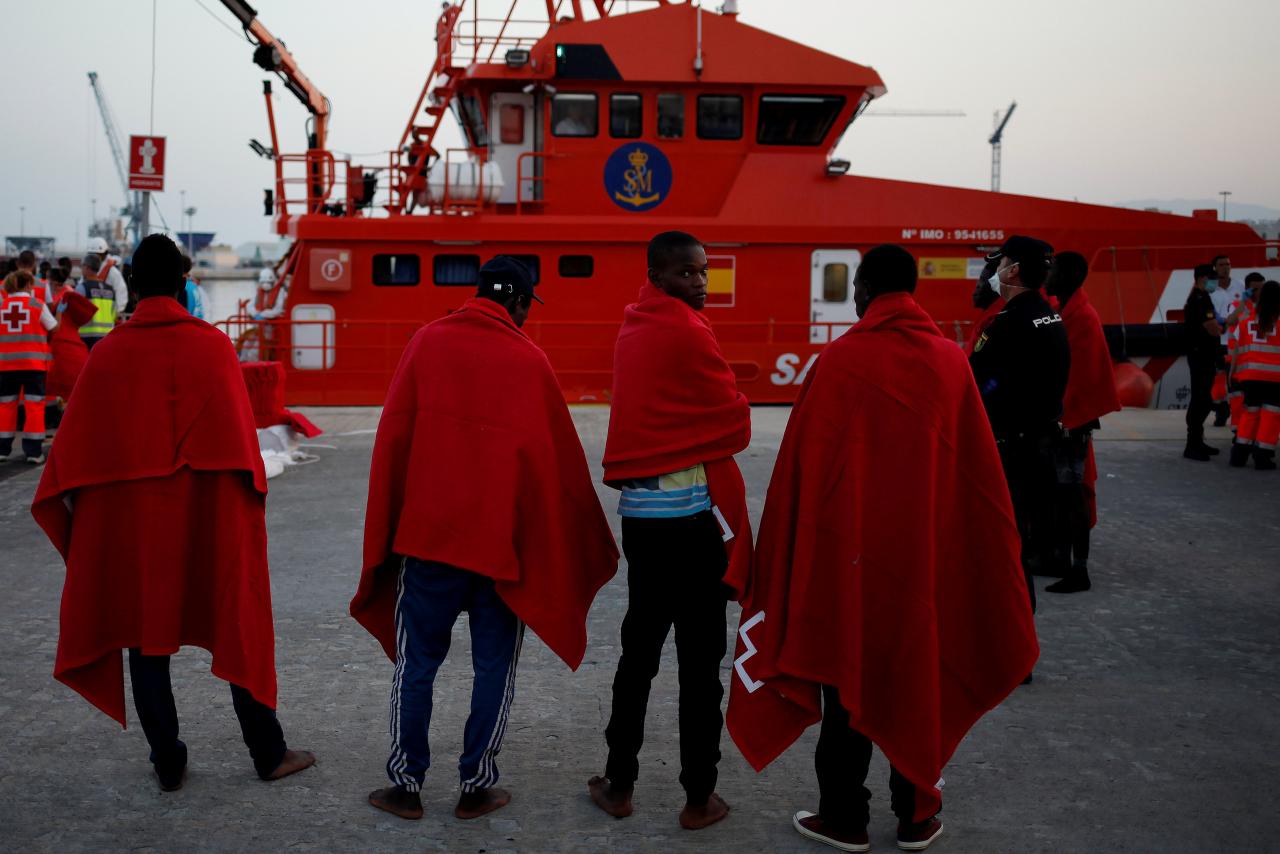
398,801
293,762
616,802
696,818
481,802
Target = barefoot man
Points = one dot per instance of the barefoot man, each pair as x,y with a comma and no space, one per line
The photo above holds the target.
676,421
155,496
480,500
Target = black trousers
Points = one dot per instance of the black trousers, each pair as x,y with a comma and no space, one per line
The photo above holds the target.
841,760
674,572
1030,470
153,698
1203,368
1071,521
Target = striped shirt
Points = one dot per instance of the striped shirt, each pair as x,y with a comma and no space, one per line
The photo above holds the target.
668,496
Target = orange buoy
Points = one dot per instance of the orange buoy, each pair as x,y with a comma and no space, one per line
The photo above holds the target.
1133,385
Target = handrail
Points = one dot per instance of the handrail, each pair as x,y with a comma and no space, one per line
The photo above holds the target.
537,181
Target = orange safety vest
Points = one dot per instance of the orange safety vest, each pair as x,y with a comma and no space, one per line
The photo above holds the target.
1257,358
24,343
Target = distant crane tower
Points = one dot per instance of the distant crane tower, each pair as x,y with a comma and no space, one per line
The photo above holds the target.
995,140
133,202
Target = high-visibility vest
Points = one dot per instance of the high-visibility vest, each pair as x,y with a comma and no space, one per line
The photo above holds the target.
1257,357
24,343
103,296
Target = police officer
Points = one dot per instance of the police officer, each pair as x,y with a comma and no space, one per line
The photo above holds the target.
1020,362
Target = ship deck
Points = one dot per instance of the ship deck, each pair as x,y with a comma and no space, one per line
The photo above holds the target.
1150,725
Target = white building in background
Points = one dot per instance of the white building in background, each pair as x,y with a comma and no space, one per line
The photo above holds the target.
217,256
261,253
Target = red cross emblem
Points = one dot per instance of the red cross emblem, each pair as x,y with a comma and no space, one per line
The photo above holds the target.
16,317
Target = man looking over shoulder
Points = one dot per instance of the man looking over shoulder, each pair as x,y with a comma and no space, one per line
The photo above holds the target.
676,420
886,597
480,500
164,537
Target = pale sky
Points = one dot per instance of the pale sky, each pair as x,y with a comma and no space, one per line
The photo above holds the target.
1117,99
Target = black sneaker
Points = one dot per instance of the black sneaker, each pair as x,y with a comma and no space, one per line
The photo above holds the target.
1240,453
810,825
1196,452
1076,582
1209,449
918,836
1264,460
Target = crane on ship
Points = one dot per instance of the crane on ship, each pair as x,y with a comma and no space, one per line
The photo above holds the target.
133,199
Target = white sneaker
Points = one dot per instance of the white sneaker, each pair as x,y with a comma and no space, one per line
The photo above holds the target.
809,825
35,461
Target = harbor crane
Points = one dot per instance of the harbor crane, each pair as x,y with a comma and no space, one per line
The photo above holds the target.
133,200
995,141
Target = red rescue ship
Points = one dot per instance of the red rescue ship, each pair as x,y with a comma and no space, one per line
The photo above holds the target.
582,141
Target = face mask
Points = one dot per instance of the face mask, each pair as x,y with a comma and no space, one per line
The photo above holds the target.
993,282
1210,285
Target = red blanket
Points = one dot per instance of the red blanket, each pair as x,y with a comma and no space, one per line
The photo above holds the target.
154,494
676,404
887,563
477,464
1091,387
69,351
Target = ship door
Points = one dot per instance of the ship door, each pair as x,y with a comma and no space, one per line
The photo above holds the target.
511,132
831,310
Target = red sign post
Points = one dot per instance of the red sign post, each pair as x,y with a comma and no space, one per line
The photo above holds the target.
146,163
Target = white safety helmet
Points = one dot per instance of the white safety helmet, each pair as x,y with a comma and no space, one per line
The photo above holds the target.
266,278
97,246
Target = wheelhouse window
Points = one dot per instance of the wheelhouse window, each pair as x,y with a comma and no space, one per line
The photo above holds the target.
797,119
625,116
396,270
577,266
720,116
670,115
455,270
471,117
575,114
835,282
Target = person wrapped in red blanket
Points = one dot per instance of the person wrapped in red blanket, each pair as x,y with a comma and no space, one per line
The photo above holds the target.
677,419
480,500
886,597
69,350
155,496
1091,394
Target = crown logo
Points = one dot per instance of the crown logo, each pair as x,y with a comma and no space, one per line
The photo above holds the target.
638,159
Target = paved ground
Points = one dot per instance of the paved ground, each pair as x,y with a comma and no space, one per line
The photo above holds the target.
1152,724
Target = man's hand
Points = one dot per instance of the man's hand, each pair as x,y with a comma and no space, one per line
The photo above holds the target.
1212,327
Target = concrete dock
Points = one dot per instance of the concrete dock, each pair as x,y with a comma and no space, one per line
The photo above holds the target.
1152,724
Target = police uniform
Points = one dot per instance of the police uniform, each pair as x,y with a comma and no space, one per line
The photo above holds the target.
1020,363
1202,362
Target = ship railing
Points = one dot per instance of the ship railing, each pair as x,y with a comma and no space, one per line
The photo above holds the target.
1155,260
537,179
340,357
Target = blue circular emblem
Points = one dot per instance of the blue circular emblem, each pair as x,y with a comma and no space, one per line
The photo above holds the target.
637,176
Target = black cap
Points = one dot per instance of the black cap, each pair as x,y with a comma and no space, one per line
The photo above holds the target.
505,275
1024,250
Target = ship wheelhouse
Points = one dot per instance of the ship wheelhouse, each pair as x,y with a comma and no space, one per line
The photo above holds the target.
586,131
